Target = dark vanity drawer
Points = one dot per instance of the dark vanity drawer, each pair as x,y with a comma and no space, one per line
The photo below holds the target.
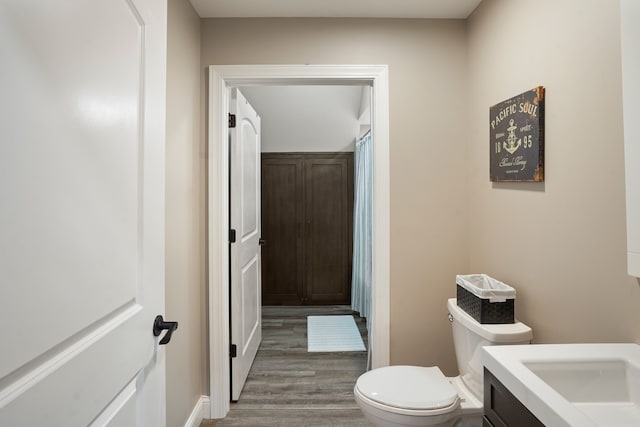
502,409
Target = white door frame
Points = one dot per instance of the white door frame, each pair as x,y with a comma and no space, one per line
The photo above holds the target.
220,79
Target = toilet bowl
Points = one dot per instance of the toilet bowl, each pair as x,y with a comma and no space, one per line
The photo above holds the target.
423,396
416,396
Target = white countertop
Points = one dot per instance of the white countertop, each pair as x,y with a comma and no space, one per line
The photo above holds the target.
507,363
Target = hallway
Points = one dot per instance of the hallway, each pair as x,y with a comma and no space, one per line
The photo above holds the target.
288,386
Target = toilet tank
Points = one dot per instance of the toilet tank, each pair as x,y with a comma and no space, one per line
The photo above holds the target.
469,336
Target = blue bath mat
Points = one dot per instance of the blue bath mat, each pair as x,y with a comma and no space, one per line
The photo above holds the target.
333,333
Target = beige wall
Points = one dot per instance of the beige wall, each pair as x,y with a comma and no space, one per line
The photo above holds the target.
427,77
185,250
560,243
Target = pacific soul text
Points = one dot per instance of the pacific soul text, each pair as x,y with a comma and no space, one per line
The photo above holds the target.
523,107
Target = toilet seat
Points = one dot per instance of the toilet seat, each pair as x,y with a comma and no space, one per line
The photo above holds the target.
408,390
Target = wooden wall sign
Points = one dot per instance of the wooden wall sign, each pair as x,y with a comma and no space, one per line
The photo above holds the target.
516,130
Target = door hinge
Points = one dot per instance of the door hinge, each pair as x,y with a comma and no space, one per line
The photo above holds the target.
232,236
232,121
233,351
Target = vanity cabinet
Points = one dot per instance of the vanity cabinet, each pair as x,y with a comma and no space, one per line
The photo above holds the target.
630,52
503,409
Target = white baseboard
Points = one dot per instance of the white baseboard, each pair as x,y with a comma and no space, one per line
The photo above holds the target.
199,412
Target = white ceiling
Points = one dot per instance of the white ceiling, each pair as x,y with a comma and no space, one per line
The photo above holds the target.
437,9
306,118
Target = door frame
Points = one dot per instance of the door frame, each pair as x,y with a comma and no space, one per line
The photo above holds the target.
220,79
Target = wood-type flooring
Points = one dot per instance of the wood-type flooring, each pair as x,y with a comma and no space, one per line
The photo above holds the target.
288,386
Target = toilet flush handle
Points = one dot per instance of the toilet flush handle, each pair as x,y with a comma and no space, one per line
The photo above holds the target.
450,318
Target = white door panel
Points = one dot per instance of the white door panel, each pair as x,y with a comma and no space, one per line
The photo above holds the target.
81,217
58,178
122,411
250,309
246,297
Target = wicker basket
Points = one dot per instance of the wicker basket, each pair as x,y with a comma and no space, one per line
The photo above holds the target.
485,299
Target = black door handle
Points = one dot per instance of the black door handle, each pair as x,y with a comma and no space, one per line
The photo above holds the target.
262,242
159,325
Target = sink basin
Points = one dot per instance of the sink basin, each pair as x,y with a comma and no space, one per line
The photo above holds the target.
597,381
572,384
607,391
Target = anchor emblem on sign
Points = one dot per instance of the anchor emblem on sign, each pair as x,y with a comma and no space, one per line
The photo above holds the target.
511,145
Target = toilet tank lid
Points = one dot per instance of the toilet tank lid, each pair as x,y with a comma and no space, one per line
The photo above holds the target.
408,387
516,332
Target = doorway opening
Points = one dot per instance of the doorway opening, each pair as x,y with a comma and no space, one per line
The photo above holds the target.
221,79
308,141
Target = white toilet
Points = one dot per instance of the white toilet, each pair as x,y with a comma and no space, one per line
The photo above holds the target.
419,396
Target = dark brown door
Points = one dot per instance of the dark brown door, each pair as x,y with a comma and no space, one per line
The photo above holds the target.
282,221
307,201
329,237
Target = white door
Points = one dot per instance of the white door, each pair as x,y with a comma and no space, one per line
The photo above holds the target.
82,87
246,296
